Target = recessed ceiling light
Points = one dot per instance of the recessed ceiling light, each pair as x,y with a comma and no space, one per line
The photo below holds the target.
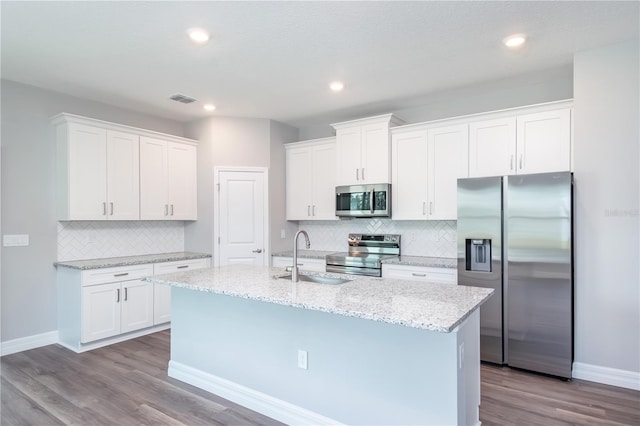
514,41
209,107
198,35
336,86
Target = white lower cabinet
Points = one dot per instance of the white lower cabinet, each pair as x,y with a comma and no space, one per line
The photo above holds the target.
115,308
115,301
420,273
304,264
98,307
162,293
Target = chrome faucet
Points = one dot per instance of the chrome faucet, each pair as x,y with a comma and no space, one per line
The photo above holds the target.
294,268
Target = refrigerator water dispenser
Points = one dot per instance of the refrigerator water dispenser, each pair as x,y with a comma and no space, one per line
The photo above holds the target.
478,255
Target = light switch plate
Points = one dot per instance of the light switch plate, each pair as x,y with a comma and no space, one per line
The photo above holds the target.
15,240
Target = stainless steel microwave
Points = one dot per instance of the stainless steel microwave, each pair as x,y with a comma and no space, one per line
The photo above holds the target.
364,200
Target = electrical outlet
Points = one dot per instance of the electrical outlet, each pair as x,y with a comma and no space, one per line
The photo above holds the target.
302,359
283,233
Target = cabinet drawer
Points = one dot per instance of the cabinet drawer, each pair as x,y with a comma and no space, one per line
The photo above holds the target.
115,274
420,273
180,265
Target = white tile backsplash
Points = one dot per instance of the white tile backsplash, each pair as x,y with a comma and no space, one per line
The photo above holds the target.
94,240
433,238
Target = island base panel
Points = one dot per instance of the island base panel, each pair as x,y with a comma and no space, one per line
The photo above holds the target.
359,371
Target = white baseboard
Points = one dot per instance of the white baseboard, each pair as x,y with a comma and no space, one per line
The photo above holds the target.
79,347
257,401
30,342
606,375
38,340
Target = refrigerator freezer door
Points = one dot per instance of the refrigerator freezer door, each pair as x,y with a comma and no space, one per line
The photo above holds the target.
539,286
480,233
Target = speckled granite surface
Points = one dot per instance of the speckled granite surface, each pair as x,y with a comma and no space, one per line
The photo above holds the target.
435,307
431,262
304,254
130,260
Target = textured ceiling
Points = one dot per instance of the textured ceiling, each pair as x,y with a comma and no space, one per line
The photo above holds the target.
275,59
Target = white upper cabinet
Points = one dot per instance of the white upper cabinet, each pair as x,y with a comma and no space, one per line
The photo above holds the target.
310,181
521,143
544,142
447,162
123,176
168,180
363,149
427,163
98,173
492,147
409,177
102,176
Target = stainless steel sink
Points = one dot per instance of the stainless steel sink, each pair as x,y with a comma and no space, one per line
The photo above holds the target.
321,279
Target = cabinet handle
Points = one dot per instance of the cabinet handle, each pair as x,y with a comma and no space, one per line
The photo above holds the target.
257,251
363,173
511,163
371,200
111,207
124,274
357,174
520,161
117,295
104,209
418,275
430,207
182,266
424,208
166,209
171,209
125,294
313,210
308,210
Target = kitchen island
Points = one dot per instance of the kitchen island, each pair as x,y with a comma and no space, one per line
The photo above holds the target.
369,351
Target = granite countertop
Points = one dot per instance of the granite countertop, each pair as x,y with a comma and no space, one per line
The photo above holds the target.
436,307
431,262
304,254
130,260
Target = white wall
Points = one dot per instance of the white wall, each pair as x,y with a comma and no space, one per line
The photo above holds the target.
28,283
607,256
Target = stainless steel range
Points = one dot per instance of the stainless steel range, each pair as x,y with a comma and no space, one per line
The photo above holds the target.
365,254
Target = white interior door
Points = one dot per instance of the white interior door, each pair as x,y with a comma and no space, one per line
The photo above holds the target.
242,217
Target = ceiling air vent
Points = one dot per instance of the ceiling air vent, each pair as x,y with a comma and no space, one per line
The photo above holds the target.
181,98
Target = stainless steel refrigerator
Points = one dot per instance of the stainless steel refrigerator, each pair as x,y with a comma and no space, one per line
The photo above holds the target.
515,236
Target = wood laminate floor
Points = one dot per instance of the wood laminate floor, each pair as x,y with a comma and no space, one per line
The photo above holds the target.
127,384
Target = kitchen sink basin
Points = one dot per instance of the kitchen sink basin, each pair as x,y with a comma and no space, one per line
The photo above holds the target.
321,279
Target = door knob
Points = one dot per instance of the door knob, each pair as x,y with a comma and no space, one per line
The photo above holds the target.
257,251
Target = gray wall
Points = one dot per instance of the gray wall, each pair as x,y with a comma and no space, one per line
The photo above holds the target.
607,221
245,142
28,286
280,134
547,86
